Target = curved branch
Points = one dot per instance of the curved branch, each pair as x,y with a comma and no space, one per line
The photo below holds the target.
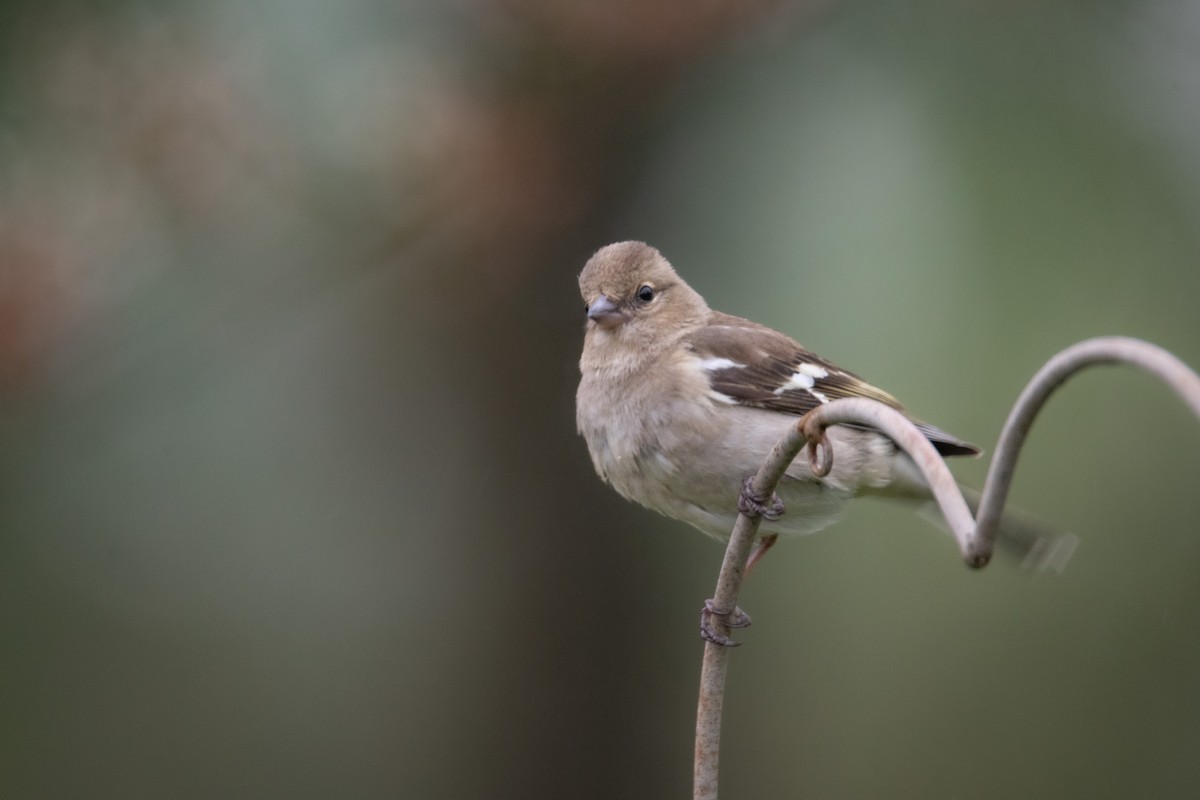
898,428
975,540
1104,350
808,430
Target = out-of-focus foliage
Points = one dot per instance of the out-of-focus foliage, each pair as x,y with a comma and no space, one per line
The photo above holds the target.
291,503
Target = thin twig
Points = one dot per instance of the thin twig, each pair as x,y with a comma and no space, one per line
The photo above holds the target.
898,428
809,429
729,584
975,541
1104,350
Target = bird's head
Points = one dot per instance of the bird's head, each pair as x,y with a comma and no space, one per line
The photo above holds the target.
631,292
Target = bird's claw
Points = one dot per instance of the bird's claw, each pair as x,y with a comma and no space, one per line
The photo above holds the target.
752,505
732,619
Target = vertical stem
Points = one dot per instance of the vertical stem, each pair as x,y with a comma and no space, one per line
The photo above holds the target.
716,663
729,584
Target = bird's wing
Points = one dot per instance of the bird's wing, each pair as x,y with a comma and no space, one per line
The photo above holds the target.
755,366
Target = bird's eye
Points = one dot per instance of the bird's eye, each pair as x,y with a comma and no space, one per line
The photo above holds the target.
645,293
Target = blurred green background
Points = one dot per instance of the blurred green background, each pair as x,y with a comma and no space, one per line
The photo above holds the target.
291,499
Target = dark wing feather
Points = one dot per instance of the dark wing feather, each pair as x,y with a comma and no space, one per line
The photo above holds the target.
759,367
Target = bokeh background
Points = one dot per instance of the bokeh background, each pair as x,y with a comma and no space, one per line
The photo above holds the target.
291,499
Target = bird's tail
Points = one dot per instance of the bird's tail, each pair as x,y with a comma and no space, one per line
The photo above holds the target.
1034,542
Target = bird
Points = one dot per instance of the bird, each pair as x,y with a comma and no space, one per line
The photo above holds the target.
679,403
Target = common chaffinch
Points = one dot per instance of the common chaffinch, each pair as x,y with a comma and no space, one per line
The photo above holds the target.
679,403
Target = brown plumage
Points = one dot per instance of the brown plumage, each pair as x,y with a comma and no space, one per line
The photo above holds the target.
679,403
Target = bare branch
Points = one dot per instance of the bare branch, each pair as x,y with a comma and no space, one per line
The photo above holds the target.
974,541
729,585
898,428
810,430
1105,350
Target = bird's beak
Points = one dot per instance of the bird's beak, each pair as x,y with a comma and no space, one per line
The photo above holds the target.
604,312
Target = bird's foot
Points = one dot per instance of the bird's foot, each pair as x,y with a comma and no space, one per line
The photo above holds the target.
752,505
733,619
